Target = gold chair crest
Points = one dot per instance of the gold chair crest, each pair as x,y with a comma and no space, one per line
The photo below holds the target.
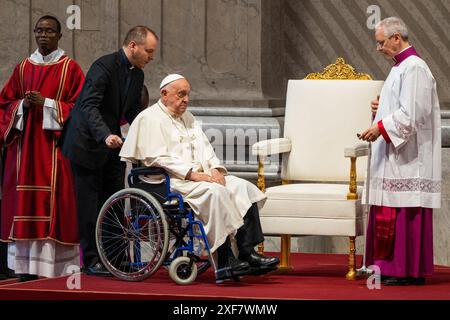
339,71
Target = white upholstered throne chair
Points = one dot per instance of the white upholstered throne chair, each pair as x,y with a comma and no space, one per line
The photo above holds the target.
320,193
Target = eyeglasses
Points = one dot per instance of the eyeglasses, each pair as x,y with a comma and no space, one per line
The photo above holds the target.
41,31
380,44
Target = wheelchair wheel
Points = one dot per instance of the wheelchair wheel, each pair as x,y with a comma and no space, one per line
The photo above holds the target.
201,253
132,234
182,271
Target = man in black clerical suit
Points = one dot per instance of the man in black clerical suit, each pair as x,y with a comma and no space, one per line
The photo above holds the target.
91,136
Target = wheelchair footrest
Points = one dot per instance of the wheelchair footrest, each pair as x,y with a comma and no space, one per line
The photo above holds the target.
229,273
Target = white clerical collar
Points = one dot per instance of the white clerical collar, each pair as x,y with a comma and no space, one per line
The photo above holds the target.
37,57
404,50
166,110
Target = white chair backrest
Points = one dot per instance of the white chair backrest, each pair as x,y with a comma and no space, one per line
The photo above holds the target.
322,118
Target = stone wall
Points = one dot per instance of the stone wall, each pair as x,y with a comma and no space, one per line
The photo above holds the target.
235,50
318,31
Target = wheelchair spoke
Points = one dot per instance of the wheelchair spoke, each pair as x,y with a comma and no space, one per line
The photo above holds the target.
112,241
116,218
121,214
120,255
113,223
132,234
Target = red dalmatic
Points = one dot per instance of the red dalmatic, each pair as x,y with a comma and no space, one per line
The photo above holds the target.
38,192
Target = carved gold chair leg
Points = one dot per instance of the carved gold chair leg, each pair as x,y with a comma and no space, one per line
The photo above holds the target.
261,248
351,274
285,259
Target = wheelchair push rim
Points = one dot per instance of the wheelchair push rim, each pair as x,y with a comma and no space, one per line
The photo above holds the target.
132,235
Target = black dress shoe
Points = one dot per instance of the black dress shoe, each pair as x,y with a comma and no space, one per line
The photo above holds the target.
27,277
394,281
98,269
233,270
7,274
10,274
402,281
384,278
416,281
259,271
258,260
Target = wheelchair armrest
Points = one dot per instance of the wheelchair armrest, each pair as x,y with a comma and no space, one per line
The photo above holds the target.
161,190
148,171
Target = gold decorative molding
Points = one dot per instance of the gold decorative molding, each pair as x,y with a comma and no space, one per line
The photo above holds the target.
351,274
261,248
261,183
352,189
285,255
339,71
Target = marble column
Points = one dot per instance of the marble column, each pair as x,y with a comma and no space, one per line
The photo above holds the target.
225,48
14,36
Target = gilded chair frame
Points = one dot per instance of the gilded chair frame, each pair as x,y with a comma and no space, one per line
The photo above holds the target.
339,70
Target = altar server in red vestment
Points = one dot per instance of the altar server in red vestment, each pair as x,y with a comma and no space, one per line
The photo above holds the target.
38,217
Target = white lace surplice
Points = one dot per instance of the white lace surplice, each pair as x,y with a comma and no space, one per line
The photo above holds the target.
407,171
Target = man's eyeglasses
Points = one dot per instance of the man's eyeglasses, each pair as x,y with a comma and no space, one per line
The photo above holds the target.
40,31
380,44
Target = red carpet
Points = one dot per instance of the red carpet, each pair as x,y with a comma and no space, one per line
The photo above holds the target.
315,277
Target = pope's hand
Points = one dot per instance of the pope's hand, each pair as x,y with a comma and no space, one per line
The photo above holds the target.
198,177
217,177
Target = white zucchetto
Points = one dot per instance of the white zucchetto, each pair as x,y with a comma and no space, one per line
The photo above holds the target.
170,78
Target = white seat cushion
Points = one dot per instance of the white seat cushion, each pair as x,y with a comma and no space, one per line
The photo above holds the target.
312,200
311,209
310,191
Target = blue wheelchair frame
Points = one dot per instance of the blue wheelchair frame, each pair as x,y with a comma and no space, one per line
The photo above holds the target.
183,212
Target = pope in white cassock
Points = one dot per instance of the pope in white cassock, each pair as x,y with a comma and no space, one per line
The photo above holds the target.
405,182
166,135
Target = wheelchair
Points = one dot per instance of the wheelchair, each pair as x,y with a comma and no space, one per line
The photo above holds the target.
146,226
